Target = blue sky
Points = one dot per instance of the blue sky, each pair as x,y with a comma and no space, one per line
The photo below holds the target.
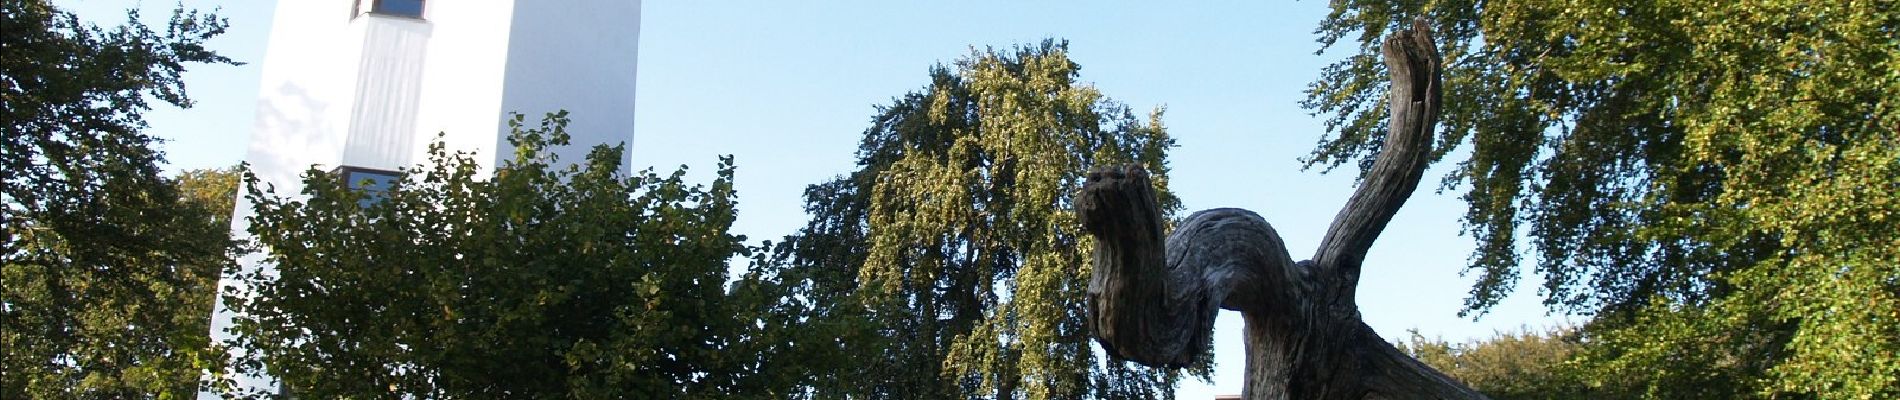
788,88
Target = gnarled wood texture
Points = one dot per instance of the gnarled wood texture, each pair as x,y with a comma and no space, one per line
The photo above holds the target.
1154,301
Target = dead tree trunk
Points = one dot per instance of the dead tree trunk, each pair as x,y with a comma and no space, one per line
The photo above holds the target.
1154,302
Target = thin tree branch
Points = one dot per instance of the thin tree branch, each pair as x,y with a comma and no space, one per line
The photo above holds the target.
1413,61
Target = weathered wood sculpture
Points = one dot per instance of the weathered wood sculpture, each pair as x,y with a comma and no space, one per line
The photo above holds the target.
1155,303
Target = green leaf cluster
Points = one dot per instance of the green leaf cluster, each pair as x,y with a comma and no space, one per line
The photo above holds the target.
1521,365
1517,365
109,268
950,263
540,281
1714,181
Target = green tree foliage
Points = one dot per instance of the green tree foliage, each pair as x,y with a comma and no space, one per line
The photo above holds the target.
951,262
1522,365
216,189
109,268
540,282
1714,180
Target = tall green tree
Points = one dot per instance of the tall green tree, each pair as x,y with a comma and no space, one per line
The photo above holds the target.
1714,181
542,281
109,267
947,262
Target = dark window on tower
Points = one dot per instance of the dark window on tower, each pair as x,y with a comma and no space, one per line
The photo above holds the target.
400,8
373,182
406,8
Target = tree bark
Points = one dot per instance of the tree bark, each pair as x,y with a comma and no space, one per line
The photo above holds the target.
1154,301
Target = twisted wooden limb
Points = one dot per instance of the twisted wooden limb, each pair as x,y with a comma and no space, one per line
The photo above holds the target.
1213,261
1154,301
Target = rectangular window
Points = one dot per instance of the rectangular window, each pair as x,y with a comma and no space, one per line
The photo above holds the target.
400,8
373,182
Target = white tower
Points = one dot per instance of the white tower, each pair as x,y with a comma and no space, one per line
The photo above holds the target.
364,85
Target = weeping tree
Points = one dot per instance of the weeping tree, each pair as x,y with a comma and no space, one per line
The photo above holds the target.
1154,301
942,266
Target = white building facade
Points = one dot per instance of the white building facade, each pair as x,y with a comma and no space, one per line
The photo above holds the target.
366,85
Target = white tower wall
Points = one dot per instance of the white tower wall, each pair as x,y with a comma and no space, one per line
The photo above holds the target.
462,83
581,58
305,88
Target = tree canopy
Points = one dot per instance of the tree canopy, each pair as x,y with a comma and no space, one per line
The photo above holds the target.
542,281
1715,182
946,262
1515,365
109,267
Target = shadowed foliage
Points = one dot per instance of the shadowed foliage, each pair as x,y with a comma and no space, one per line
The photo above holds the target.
1712,181
546,280
109,268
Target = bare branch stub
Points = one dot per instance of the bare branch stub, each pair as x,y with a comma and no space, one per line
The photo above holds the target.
1221,258
1118,207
